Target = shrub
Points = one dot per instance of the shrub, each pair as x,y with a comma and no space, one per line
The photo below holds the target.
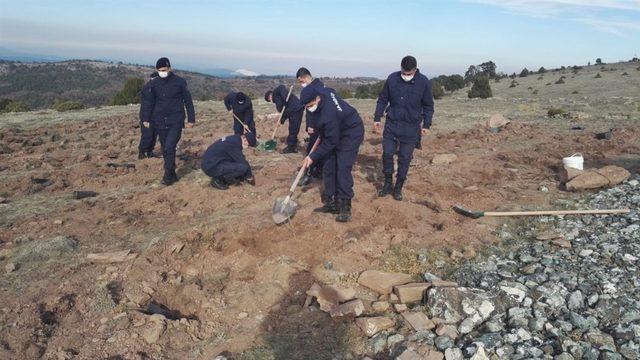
575,92
553,112
540,77
7,106
524,72
481,88
130,94
513,84
529,88
561,80
542,70
625,74
638,68
547,84
68,106
535,92
598,61
344,93
598,76
438,90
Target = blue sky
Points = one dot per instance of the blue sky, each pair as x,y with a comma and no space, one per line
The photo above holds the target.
332,38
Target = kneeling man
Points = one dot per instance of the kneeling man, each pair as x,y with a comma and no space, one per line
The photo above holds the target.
225,163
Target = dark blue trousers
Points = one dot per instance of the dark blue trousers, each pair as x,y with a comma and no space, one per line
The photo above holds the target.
294,128
404,138
148,138
229,171
336,172
169,138
238,129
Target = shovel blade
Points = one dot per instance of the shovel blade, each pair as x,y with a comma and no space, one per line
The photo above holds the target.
283,211
469,213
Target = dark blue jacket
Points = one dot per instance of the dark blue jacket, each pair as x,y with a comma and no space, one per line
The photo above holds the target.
310,117
336,122
243,111
409,102
166,101
280,99
227,149
145,98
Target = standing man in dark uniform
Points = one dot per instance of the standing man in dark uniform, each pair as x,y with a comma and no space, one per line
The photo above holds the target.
341,132
168,98
148,134
315,170
407,98
293,112
225,163
239,104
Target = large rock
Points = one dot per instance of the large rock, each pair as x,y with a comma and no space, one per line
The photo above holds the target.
418,320
497,121
353,308
373,325
331,296
411,293
568,173
587,180
615,174
382,282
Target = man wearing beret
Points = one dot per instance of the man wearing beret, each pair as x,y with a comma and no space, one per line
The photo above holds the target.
165,105
293,111
239,104
341,132
407,99
225,163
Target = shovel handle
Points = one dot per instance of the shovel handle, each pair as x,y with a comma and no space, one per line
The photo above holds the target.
240,121
273,136
558,212
301,171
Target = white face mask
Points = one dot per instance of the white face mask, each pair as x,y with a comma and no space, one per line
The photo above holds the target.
303,85
163,74
407,78
313,108
240,102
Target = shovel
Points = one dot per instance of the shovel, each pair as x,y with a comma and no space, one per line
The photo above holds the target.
246,128
478,214
284,208
271,144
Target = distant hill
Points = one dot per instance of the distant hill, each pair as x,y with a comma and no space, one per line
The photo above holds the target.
94,83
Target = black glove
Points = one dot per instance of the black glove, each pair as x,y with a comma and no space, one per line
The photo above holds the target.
282,120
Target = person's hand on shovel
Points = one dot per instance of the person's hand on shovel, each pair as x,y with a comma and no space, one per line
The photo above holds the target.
307,162
377,127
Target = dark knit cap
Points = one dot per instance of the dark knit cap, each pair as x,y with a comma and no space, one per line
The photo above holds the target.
309,93
162,62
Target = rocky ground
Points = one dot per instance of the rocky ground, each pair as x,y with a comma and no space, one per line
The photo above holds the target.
560,288
142,271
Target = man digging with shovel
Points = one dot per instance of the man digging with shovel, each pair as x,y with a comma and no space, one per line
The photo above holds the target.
225,163
315,171
293,111
239,105
341,132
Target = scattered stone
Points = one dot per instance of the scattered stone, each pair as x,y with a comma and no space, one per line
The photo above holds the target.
400,307
352,308
453,354
447,330
111,257
418,320
409,355
380,306
373,325
331,296
393,340
382,282
444,159
615,174
242,315
549,235
10,267
443,343
82,194
480,354
496,122
411,293
154,329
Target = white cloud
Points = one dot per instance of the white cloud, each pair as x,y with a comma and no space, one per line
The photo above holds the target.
594,13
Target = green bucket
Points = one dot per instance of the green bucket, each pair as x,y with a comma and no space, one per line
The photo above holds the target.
269,145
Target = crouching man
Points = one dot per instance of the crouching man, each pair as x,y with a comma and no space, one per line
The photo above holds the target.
341,132
225,163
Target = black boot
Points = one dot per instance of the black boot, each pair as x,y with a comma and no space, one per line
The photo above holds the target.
219,183
329,207
150,154
387,188
290,149
169,177
397,191
344,210
306,179
141,155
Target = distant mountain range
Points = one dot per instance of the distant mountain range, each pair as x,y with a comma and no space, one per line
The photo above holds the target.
13,55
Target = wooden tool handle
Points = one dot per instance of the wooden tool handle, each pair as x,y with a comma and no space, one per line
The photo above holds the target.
557,212
302,170
273,136
240,121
